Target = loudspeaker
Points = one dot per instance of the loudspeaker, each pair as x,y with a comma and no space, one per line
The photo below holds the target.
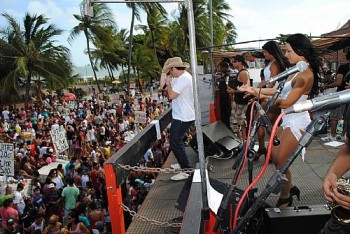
217,138
302,219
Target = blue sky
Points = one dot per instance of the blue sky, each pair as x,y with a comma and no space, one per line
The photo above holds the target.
254,19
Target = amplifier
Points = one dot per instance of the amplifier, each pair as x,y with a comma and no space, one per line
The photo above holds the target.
301,219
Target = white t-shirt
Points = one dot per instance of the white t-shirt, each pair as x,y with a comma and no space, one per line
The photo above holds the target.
183,105
6,114
19,202
103,130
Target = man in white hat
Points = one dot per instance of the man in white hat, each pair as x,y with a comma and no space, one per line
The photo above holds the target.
180,91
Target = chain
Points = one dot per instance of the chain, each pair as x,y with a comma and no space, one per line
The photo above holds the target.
151,221
153,169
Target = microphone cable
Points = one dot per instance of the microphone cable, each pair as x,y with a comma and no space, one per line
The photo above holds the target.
263,169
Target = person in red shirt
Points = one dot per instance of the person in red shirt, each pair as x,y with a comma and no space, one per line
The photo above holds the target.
8,212
93,174
77,178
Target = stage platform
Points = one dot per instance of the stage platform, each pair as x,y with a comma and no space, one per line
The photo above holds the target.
307,175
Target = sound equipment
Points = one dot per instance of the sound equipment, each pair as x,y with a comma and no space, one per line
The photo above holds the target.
217,138
219,186
302,219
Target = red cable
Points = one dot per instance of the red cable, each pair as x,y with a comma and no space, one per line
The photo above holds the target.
247,143
245,151
263,169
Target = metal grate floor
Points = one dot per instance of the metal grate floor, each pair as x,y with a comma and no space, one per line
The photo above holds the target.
307,175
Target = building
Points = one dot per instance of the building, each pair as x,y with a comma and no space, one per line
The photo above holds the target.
335,44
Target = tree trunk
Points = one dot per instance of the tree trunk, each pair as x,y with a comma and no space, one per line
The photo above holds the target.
130,47
26,96
109,70
154,46
91,62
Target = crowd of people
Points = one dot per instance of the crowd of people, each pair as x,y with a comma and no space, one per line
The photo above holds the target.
72,197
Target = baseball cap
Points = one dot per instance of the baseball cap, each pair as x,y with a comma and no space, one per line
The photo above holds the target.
52,185
10,221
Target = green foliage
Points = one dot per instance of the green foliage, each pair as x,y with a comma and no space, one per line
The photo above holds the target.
28,55
281,39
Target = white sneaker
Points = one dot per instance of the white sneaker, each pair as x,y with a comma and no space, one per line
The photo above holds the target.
175,166
180,176
334,138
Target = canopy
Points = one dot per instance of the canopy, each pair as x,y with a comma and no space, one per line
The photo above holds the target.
330,44
69,97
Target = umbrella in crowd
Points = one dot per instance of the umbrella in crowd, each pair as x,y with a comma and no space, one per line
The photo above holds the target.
69,97
116,82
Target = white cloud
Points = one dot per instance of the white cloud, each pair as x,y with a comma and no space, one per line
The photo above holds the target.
267,19
48,8
254,19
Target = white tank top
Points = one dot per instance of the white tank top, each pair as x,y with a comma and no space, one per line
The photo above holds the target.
267,74
267,71
287,88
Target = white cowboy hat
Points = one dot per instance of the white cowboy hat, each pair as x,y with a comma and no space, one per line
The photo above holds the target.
174,62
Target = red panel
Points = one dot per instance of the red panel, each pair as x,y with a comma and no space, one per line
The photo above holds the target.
114,195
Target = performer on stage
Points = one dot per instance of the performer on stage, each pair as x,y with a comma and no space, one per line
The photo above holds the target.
180,91
277,63
297,88
340,166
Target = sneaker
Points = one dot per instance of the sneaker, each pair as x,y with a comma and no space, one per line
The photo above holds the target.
180,176
175,166
340,138
335,138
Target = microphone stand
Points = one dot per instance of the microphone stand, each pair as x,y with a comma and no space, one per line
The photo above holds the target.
232,193
278,179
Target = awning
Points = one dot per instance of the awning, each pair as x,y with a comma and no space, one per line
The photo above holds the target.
330,44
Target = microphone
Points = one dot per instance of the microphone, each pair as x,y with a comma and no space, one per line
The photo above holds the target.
299,67
325,102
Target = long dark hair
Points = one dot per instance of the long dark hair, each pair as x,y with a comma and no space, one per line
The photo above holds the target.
274,49
302,46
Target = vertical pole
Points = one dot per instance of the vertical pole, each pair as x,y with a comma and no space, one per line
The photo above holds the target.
212,66
199,134
114,195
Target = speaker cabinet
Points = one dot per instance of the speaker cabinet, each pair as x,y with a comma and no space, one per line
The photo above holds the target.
217,138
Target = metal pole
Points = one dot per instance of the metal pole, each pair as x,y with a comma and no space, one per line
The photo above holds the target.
211,47
199,134
134,1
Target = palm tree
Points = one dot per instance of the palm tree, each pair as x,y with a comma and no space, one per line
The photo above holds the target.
135,7
179,38
30,52
108,55
93,27
156,20
225,30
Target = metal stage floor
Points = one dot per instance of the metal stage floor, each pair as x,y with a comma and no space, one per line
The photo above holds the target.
308,176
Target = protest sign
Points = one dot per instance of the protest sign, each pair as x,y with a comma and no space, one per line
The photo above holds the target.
7,159
140,117
59,139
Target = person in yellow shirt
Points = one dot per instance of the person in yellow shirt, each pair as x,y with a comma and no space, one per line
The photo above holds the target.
107,150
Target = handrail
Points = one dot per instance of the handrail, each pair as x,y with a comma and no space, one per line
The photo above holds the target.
130,153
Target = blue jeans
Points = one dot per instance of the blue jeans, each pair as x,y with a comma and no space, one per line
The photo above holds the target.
177,133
